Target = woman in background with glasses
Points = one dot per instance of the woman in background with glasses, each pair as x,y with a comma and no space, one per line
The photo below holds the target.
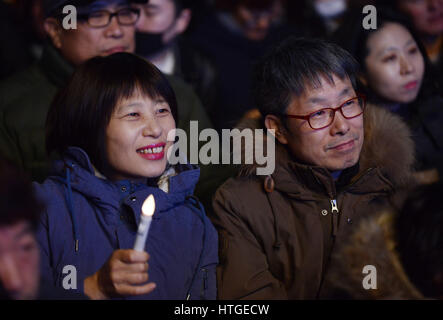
396,74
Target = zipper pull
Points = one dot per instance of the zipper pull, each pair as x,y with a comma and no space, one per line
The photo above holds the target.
205,283
334,207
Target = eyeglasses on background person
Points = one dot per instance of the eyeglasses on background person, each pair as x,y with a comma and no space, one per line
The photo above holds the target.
102,18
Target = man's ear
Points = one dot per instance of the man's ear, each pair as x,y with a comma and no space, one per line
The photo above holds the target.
54,30
273,122
180,25
183,20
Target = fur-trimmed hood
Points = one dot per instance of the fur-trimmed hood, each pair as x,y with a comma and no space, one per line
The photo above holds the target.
287,226
371,244
387,145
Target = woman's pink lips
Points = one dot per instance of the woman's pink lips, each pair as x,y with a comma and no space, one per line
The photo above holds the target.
153,156
157,145
411,85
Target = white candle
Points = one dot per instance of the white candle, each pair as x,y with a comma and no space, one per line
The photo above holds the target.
148,209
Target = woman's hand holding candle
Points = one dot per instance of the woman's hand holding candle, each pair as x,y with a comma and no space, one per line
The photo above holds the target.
124,274
126,271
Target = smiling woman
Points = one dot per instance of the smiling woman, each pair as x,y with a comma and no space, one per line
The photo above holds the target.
110,126
123,101
137,137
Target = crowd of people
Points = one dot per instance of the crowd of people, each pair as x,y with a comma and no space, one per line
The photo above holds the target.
90,115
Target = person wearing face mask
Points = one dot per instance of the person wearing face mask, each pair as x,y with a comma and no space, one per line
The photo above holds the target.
234,35
160,39
396,74
26,95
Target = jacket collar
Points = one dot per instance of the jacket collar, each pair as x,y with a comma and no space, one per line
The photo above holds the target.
56,68
387,155
294,179
107,194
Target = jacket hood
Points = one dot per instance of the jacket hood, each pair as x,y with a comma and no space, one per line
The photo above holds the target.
102,191
387,146
372,243
77,173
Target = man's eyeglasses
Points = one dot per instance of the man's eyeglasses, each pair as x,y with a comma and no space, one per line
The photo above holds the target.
102,18
323,118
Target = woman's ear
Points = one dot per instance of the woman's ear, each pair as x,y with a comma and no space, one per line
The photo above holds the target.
272,122
54,31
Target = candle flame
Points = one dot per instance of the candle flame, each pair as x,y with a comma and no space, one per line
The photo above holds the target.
148,207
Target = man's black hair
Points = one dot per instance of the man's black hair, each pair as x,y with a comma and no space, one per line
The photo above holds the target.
297,63
80,113
420,238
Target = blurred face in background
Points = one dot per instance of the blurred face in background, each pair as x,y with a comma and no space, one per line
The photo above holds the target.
257,22
19,261
330,8
427,15
394,66
85,42
160,16
159,25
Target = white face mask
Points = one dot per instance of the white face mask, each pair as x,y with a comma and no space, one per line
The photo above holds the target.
330,8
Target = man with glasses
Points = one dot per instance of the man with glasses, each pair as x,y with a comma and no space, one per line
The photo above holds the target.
26,96
98,33
104,27
337,160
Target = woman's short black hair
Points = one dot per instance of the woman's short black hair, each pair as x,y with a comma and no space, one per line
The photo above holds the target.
353,37
80,113
295,64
